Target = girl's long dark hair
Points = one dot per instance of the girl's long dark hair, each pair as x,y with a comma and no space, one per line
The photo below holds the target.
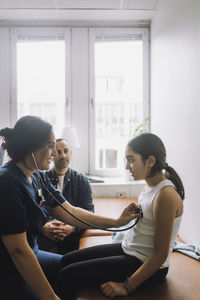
147,144
30,133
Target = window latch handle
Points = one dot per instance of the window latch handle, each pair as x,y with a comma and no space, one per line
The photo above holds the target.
92,103
67,103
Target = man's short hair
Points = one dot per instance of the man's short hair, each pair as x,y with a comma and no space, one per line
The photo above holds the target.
59,140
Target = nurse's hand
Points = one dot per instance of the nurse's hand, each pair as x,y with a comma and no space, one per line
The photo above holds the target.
132,211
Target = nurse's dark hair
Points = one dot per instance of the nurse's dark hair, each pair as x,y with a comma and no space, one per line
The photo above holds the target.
29,134
147,144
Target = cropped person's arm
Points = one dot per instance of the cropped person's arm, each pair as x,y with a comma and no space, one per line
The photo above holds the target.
128,214
164,212
28,266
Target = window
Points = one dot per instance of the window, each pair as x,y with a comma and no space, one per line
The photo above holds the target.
40,76
95,79
117,93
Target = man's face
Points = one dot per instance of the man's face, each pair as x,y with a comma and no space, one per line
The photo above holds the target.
62,159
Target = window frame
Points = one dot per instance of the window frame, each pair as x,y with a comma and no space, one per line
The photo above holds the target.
79,70
40,32
146,95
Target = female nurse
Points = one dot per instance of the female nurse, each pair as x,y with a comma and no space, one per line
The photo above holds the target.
26,272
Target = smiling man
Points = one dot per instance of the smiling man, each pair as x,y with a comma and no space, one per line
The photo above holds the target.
57,236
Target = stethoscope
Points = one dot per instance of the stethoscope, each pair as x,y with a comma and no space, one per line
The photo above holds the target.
75,217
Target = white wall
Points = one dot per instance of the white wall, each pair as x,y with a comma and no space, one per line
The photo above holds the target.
175,96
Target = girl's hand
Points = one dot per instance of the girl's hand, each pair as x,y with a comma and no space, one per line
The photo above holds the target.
112,289
131,212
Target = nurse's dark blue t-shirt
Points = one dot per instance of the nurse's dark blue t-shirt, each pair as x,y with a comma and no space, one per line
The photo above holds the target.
24,207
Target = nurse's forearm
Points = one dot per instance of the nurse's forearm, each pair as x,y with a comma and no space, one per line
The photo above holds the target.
85,215
128,214
28,266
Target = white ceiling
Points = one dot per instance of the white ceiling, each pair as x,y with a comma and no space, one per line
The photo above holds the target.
99,10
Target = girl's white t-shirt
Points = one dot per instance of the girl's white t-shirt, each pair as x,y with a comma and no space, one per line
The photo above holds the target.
139,240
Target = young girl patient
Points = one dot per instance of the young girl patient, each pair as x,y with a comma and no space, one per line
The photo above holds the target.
143,257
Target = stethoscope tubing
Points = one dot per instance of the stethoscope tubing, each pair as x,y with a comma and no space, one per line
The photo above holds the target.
75,217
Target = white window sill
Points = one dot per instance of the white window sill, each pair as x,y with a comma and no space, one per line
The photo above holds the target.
117,181
117,188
